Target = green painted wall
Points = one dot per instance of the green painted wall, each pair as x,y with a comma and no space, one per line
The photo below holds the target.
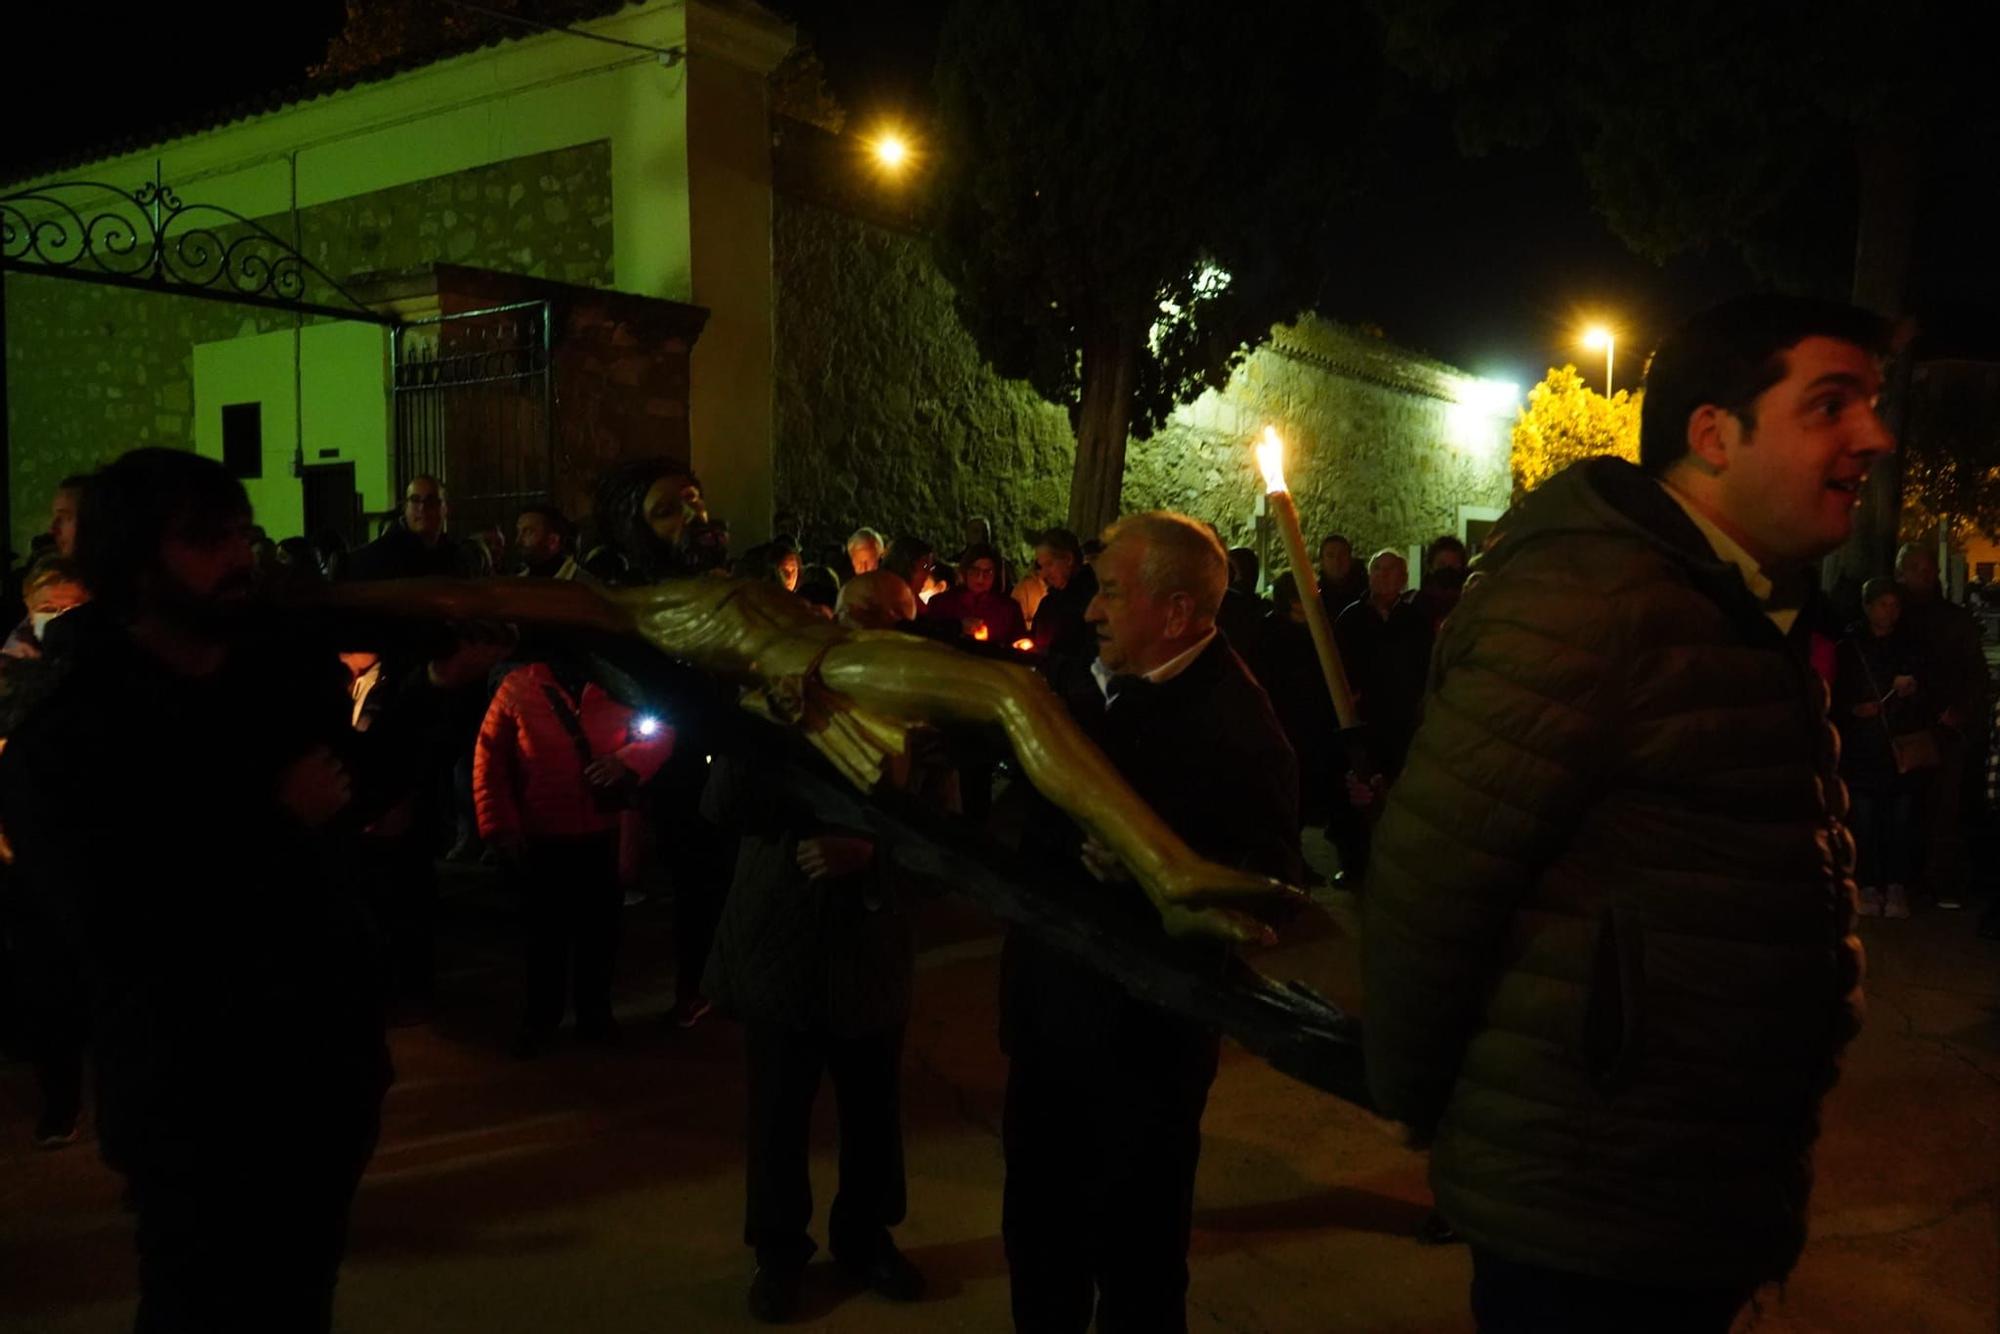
887,416
93,371
341,399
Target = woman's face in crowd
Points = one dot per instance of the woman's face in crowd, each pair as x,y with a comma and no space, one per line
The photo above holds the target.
979,576
788,571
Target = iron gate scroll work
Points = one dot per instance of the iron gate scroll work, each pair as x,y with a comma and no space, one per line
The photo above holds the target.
150,239
474,399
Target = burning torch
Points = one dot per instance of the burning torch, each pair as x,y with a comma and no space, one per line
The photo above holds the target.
1278,497
1271,461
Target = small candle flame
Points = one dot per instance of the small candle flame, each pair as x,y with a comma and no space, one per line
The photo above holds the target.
1023,645
979,632
1271,460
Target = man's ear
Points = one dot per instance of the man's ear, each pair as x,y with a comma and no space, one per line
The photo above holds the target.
1710,432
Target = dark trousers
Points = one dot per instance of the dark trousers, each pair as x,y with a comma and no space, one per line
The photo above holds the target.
785,1066
399,885
1510,1298
252,1242
1947,863
703,861
1885,834
572,910
1101,1150
54,1016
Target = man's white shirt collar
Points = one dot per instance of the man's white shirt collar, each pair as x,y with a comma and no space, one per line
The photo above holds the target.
1729,550
1161,674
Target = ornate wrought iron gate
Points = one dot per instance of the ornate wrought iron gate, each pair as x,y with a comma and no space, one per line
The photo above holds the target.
474,407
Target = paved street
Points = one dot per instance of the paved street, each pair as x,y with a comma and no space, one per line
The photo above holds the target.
601,1191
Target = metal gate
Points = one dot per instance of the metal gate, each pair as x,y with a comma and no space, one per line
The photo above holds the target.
474,400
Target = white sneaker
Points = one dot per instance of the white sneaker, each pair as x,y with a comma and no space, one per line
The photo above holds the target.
1869,901
1896,903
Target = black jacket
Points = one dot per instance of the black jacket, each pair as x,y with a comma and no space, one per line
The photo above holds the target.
1206,752
1059,629
1868,667
1241,617
1337,598
401,554
1287,666
833,955
233,972
1386,661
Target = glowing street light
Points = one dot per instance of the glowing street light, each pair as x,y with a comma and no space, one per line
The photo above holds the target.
1595,337
892,151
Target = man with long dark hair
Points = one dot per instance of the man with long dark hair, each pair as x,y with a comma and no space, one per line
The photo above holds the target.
194,780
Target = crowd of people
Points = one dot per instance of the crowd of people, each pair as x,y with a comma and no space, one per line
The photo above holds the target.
1567,735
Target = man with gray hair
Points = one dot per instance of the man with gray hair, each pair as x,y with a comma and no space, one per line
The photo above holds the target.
864,550
1104,1091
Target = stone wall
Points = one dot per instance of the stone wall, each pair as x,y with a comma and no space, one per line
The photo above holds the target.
1381,445
888,416
93,371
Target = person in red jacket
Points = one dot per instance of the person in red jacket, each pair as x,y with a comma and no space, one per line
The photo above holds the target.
556,762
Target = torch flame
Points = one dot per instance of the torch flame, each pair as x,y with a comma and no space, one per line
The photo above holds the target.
1271,460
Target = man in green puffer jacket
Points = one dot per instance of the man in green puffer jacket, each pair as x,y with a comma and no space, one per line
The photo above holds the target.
1608,955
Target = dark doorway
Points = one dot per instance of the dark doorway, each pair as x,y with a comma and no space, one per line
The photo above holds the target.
332,504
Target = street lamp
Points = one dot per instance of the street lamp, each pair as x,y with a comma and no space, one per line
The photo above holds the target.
1595,337
892,151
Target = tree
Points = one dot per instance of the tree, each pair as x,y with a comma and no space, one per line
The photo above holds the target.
1133,192
1564,421
377,33
1796,130
1951,468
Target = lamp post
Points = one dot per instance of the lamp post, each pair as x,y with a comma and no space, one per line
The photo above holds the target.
1595,337
1271,461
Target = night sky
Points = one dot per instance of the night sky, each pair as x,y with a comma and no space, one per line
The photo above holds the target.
1492,264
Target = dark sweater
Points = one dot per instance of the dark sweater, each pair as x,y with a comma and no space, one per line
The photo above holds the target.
1206,752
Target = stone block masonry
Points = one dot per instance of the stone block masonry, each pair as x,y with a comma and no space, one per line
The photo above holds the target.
888,416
